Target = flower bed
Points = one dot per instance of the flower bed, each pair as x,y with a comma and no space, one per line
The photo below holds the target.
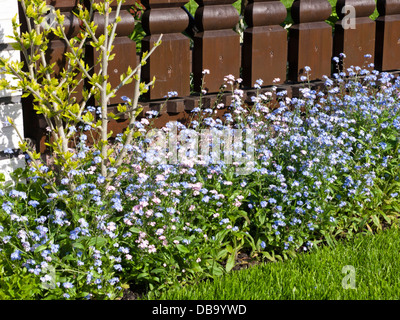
325,167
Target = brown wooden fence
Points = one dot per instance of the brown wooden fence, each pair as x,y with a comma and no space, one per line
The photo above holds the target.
268,51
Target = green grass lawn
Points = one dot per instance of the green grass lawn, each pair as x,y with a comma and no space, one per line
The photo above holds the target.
316,275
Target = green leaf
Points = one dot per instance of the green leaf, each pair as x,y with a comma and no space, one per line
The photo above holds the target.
40,248
376,221
78,245
158,270
217,270
230,263
142,275
182,248
222,254
330,241
100,241
268,256
134,229
244,215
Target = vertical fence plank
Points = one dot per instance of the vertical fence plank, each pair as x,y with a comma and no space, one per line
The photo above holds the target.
216,45
57,47
387,50
354,35
124,49
34,124
170,62
310,39
264,50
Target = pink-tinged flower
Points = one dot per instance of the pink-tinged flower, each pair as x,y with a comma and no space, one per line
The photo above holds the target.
137,208
149,213
177,192
188,163
111,226
110,188
237,203
160,177
165,243
173,227
152,248
144,121
196,193
192,207
216,215
176,241
161,237
229,226
198,260
152,223
128,257
159,231
143,244
229,79
144,203
142,234
127,222
228,183
156,200
196,186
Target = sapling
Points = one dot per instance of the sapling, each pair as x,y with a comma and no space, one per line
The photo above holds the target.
53,95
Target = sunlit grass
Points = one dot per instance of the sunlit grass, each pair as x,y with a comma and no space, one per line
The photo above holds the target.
316,275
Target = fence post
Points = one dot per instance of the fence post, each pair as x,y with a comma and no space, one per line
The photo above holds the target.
35,124
124,49
170,62
310,40
57,48
264,50
354,32
387,49
216,45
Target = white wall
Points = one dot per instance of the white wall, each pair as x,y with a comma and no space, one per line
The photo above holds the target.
10,105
